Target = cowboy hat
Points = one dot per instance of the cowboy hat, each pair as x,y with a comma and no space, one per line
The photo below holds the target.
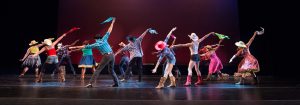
48,41
160,45
240,44
33,42
193,36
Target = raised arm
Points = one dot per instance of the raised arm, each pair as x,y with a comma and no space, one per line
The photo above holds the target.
219,44
174,40
62,36
118,51
107,34
205,36
252,38
143,34
26,54
169,34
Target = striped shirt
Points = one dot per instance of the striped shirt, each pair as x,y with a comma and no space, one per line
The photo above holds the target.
134,49
101,44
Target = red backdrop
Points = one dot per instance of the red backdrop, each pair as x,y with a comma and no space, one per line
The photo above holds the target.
135,16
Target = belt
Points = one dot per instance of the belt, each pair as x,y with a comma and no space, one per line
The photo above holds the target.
107,53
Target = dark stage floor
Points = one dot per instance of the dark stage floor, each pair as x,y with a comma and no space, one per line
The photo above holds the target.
24,91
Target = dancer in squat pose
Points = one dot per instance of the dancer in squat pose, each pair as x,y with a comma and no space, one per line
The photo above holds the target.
195,59
169,54
249,64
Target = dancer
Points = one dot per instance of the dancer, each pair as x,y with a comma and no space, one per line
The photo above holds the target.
52,59
63,53
136,53
87,59
29,60
169,54
215,64
124,62
195,59
108,57
249,64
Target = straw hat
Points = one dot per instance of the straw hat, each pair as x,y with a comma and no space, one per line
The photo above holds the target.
193,36
240,44
33,42
121,44
48,41
160,45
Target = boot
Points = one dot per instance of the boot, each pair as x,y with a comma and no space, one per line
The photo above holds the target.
199,81
173,82
161,83
36,73
188,80
62,72
39,79
240,81
208,78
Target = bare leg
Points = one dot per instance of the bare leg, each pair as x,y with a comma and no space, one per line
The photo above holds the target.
82,73
23,72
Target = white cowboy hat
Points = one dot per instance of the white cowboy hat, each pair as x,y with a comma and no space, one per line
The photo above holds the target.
240,44
48,41
33,42
193,36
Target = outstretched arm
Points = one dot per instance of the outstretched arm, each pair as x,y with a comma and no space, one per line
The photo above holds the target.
157,64
204,37
182,45
252,38
42,50
26,54
235,55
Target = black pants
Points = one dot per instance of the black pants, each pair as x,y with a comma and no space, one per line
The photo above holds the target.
139,66
108,60
66,59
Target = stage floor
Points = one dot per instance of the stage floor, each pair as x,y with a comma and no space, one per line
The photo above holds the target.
24,91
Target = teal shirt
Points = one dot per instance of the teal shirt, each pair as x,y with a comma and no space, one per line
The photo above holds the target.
101,44
86,51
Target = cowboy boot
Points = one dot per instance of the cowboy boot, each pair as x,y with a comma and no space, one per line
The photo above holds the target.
173,82
240,81
199,81
39,79
188,80
208,77
36,73
161,83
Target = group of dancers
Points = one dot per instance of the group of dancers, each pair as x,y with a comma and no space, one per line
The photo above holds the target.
132,54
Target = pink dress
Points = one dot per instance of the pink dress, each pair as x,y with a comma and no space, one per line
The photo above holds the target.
249,63
215,64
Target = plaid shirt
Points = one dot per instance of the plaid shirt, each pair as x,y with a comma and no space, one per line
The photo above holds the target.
101,44
134,49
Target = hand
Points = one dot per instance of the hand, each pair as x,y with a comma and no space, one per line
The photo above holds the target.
212,32
21,60
173,29
154,70
230,60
